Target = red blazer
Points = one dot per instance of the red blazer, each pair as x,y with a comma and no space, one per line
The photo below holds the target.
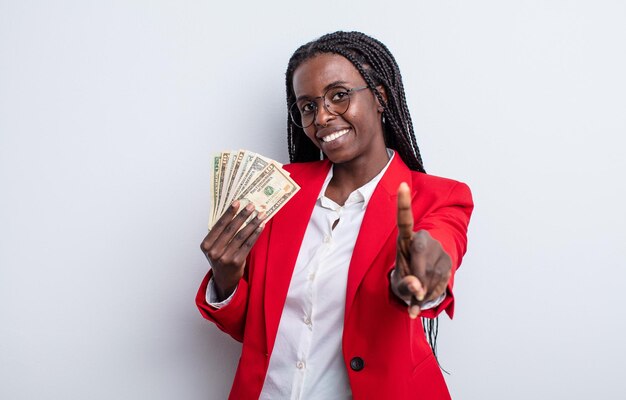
385,352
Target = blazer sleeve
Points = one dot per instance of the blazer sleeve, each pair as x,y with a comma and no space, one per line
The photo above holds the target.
231,317
447,223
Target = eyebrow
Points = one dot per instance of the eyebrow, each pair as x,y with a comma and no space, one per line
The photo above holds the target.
330,85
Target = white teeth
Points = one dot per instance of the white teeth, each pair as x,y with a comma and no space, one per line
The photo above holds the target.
335,135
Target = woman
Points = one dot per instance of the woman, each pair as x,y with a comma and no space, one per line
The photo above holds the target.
319,295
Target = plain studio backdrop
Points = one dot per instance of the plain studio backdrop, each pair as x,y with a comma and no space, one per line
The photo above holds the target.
110,112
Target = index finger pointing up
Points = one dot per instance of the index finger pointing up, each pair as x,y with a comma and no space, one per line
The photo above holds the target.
405,216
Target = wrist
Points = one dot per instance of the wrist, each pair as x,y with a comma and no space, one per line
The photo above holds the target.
224,287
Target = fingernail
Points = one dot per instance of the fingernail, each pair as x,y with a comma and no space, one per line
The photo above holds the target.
420,296
414,311
235,204
261,215
250,207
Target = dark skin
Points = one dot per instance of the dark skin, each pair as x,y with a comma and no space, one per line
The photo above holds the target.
423,268
226,249
358,153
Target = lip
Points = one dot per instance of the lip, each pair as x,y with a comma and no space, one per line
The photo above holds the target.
330,131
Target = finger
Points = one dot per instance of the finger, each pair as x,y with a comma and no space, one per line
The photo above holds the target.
414,308
231,228
405,216
243,235
411,287
436,282
419,264
402,262
442,274
438,266
439,289
405,228
223,221
244,250
208,243
232,256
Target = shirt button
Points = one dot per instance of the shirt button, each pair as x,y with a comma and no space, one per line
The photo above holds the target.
300,365
311,276
307,320
326,239
357,364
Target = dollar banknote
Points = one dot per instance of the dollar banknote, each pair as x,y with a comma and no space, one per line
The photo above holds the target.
250,178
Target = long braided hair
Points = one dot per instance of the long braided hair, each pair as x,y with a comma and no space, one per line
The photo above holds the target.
378,67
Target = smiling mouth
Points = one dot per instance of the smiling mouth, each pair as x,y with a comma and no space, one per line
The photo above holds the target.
334,136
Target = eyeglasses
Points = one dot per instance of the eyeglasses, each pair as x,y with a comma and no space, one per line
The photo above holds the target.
336,101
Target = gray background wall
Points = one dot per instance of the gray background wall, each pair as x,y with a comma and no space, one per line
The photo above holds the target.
109,112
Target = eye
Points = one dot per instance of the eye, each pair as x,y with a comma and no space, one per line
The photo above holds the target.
307,108
339,96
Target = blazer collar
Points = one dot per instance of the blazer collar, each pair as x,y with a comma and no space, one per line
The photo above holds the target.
379,222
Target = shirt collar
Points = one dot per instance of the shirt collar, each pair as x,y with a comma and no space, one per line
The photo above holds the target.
362,194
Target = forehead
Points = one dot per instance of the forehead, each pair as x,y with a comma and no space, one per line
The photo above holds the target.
316,73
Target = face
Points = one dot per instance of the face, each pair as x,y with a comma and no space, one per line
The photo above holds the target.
355,135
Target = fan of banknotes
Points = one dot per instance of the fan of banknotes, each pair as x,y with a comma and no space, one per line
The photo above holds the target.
250,178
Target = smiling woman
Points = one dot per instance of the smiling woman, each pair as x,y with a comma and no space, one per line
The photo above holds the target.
351,136
319,296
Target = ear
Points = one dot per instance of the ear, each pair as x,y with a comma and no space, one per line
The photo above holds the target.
383,93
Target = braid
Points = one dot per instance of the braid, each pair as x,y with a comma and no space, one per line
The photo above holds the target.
378,67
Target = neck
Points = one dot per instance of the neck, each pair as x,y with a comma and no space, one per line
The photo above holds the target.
347,177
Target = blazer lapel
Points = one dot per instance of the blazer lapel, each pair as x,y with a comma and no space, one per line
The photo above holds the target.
286,236
378,223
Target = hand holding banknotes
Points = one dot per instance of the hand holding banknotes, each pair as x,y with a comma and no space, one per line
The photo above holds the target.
226,247
247,190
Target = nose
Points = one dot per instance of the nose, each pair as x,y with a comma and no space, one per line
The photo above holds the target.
322,115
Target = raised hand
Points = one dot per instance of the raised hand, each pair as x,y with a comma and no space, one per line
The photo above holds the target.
226,247
423,268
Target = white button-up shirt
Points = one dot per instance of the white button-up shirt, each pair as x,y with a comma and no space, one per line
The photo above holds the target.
307,361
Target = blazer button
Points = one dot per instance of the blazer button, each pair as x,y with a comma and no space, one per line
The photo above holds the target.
357,364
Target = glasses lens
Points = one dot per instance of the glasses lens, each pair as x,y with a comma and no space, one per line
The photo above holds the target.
302,115
337,100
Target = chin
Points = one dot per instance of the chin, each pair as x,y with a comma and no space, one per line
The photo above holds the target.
339,158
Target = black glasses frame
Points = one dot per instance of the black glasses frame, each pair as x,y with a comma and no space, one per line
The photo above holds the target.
296,115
